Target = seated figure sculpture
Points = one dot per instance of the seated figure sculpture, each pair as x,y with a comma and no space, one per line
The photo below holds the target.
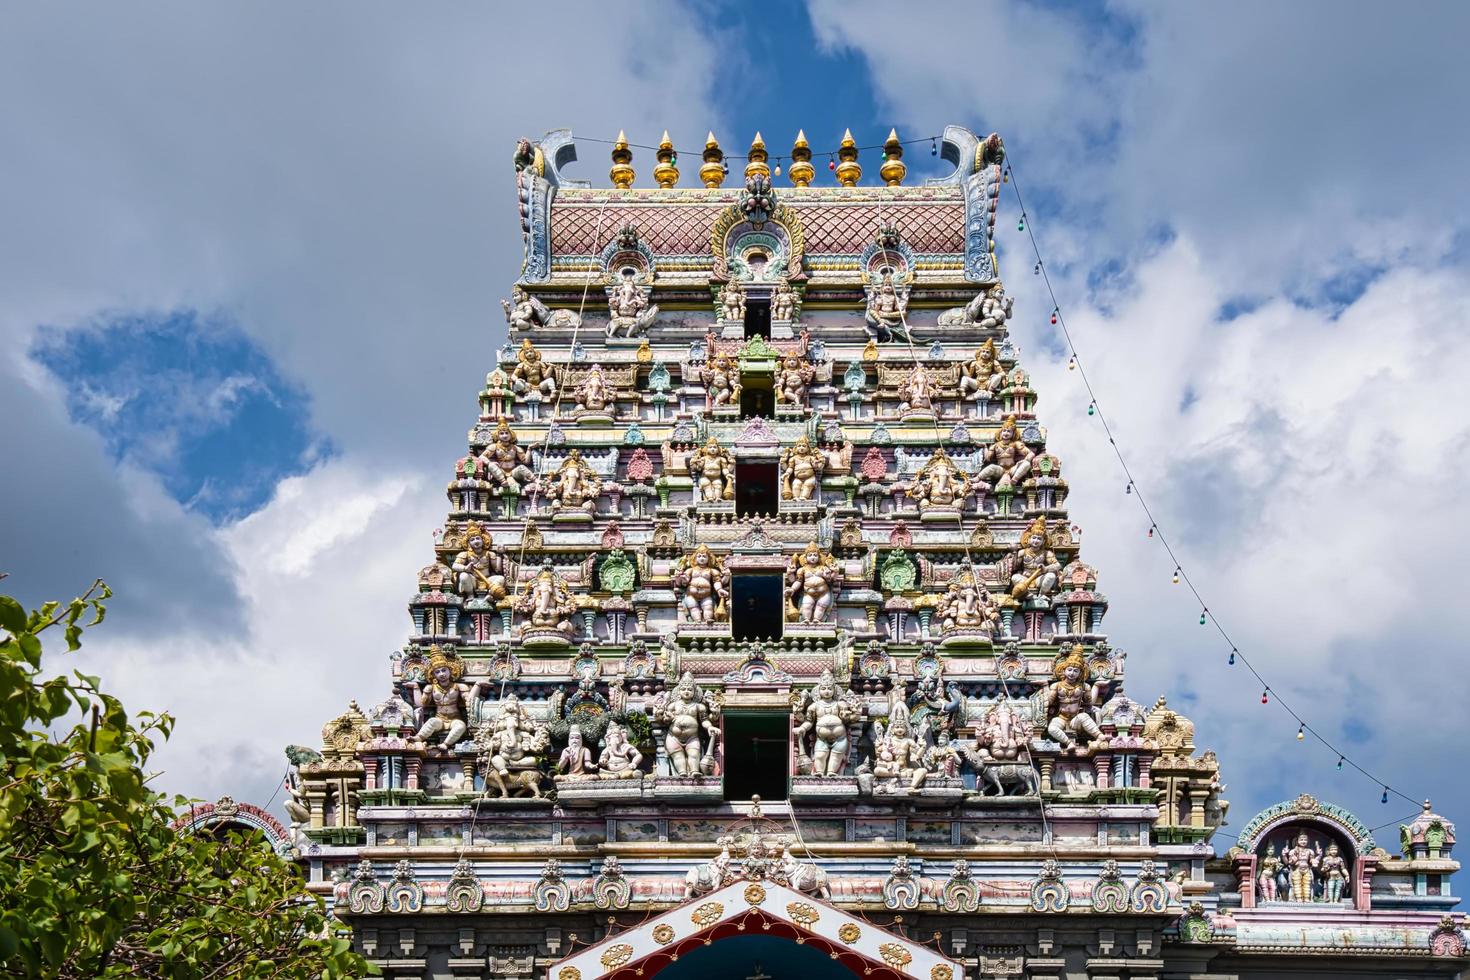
532,374
547,604
1034,568
619,758
1007,460
939,483
574,486
1068,703
511,748
444,704
478,569
983,375
594,392
801,470
966,605
917,391
509,463
886,308
705,583
575,761
812,580
899,756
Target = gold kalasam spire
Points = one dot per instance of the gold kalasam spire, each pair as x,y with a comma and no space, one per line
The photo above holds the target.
713,171
848,169
666,173
622,168
893,167
757,157
802,171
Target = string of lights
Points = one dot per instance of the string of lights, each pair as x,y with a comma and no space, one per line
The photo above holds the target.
1155,531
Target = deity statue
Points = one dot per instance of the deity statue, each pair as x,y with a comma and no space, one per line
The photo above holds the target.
939,482
783,303
630,306
512,747
524,311
548,604
687,711
917,391
446,697
944,759
1270,868
984,375
478,568
1001,734
1069,701
713,471
1301,863
574,486
966,605
792,377
532,373
1007,460
721,379
1334,874
1033,565
898,754
732,303
812,580
801,469
619,759
825,713
594,393
575,761
706,585
989,309
509,463
887,307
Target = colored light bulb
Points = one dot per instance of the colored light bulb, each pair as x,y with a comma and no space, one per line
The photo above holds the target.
1231,661
1091,408
1053,317
1339,763
934,148
1301,733
1385,794
1036,271
1072,363
1176,576
1202,619
1265,697
1150,532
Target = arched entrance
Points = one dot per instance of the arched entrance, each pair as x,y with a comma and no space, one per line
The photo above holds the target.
709,938
764,957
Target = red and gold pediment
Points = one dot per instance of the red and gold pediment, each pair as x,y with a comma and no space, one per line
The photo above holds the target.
755,908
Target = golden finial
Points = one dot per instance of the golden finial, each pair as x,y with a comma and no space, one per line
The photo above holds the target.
666,173
848,169
713,171
870,351
802,171
757,157
893,167
622,168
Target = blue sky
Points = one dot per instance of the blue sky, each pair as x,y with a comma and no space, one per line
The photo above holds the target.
247,315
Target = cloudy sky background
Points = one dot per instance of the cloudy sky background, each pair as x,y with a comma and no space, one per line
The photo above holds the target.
251,260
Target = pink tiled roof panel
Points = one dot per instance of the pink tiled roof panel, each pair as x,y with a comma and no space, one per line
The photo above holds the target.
685,230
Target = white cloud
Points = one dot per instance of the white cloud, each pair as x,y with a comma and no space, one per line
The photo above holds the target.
336,181
1312,484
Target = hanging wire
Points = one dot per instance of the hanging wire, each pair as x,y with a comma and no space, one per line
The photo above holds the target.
1094,408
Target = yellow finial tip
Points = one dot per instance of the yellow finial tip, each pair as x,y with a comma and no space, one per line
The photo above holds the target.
665,141
801,137
893,136
847,138
757,141
711,141
622,138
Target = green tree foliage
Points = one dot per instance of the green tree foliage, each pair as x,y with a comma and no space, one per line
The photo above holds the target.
94,881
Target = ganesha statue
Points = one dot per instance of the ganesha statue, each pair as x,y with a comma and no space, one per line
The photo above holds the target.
966,607
939,484
548,605
574,486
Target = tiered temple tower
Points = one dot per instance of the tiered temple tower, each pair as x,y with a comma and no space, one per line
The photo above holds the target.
757,618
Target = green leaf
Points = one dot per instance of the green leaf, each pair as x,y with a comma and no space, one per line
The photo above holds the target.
12,615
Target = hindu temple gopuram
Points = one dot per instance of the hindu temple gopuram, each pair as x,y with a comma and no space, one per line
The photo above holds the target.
757,641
